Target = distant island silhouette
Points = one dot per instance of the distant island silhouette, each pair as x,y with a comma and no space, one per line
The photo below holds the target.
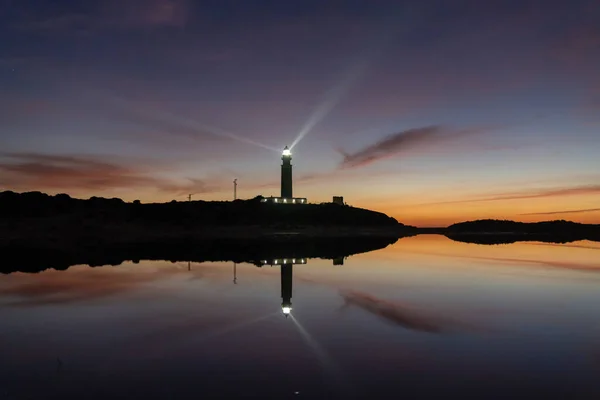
489,231
61,231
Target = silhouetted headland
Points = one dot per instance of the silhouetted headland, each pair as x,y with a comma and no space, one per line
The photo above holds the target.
35,215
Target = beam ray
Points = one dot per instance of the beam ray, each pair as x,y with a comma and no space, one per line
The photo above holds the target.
332,99
189,123
391,28
327,363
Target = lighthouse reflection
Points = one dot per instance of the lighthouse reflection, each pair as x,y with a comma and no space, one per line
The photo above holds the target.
287,274
286,266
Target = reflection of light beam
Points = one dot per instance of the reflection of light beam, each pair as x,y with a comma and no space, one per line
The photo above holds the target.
163,349
235,327
325,360
332,98
159,352
188,123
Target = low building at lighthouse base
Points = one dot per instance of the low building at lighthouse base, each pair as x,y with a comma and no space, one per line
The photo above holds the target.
285,200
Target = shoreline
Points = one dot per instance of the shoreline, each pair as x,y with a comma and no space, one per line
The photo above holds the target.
62,222
49,249
122,234
36,256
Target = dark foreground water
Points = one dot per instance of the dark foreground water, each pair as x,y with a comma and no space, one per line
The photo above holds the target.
423,318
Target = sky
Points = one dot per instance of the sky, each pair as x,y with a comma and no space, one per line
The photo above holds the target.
433,112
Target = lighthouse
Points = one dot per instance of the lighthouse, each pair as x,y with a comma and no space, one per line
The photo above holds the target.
287,195
286,174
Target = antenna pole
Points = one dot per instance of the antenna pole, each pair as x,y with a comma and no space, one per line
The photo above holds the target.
235,189
189,197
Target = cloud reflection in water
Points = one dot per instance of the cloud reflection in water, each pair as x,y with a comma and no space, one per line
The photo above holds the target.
403,315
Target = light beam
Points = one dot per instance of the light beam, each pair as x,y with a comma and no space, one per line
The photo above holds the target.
234,327
392,26
186,122
160,352
332,98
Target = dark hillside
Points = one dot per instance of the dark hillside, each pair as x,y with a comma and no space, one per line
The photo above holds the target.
37,205
62,221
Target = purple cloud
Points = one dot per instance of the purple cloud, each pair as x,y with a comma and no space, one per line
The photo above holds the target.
426,139
55,172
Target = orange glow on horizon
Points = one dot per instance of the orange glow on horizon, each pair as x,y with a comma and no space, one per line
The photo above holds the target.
580,208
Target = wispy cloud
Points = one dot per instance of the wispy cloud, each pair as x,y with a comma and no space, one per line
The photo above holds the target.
429,139
533,194
113,14
156,12
556,192
587,210
32,171
189,186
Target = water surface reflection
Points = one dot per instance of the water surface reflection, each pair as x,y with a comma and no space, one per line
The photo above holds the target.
423,318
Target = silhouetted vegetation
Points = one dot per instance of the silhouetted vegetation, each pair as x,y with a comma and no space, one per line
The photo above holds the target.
253,212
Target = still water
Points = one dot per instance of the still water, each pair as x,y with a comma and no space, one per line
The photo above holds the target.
423,318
